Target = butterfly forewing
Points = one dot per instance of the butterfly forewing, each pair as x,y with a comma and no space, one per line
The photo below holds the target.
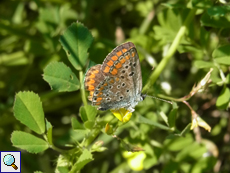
122,83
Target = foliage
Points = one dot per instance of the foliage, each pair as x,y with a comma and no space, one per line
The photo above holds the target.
187,43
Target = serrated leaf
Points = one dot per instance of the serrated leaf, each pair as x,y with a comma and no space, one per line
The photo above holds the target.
60,77
76,41
84,158
203,64
28,110
76,125
150,122
28,142
223,51
223,99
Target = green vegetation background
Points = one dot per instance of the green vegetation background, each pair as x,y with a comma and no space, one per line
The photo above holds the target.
29,34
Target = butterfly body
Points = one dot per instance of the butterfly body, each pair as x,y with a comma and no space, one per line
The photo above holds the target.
117,83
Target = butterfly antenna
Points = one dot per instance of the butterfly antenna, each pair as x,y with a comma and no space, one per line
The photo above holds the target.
157,98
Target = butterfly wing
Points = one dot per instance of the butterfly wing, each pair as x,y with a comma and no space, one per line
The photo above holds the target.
92,78
122,85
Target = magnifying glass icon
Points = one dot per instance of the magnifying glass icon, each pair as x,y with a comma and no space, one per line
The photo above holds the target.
9,160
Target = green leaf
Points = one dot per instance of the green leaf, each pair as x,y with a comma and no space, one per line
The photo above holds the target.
76,125
60,77
223,99
76,41
193,150
219,10
83,114
203,4
91,112
215,21
203,64
172,115
28,142
88,112
49,129
89,124
28,110
223,60
204,164
150,122
38,172
178,143
220,52
84,158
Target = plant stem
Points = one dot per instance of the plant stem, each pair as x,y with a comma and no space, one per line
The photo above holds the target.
82,88
171,50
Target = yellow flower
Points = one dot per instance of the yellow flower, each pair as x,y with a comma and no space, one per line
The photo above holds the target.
135,160
122,114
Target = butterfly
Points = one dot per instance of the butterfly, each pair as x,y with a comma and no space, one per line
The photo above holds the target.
117,82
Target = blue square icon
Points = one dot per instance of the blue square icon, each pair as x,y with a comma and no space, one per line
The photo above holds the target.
10,161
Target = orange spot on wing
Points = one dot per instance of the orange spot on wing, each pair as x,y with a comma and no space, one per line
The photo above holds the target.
119,53
100,93
111,81
92,75
96,71
133,54
106,69
118,65
90,87
114,72
106,84
127,57
99,99
124,50
114,58
122,60
101,88
91,81
117,79
110,63
98,103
